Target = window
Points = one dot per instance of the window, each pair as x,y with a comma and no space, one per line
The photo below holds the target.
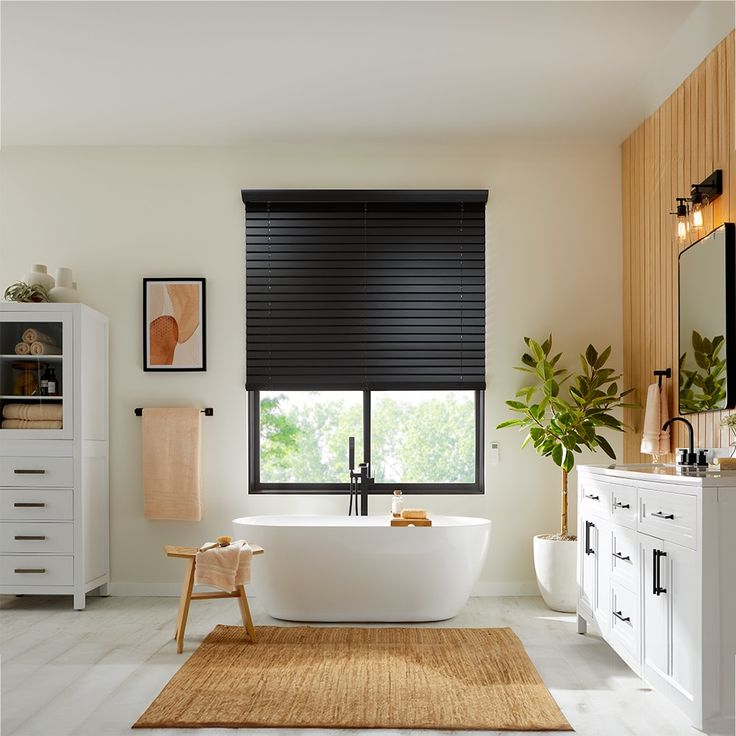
365,317
425,441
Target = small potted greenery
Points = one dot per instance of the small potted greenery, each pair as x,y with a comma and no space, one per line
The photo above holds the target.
563,413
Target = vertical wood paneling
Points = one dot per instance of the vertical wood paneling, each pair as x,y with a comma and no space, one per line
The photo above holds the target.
688,137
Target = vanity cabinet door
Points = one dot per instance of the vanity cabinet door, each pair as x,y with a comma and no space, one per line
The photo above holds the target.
671,611
595,570
587,565
684,605
655,603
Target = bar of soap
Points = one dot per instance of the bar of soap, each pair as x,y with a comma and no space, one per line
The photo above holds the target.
727,463
414,514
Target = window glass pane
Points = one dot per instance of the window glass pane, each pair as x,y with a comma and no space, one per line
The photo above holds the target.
304,435
423,436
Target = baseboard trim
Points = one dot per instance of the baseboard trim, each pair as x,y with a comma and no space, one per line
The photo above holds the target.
482,589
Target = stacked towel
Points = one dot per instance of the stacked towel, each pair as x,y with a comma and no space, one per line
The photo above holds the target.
653,440
33,412
30,424
223,567
35,342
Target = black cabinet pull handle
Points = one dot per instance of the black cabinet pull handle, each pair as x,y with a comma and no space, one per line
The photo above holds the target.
29,537
619,615
662,515
24,570
588,549
657,588
29,471
592,497
620,505
25,505
625,558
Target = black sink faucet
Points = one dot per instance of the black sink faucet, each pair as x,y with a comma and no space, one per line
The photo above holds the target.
691,457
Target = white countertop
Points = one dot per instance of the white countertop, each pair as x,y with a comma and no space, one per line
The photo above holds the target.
670,473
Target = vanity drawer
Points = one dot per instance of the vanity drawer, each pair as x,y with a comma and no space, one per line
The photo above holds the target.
669,516
36,471
594,497
625,621
625,558
36,570
20,537
623,504
41,504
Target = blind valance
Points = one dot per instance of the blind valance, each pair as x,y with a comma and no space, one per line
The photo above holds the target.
365,289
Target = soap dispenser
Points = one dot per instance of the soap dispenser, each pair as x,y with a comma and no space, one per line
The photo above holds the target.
397,504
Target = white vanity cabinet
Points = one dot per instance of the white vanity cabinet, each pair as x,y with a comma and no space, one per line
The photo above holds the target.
657,575
54,537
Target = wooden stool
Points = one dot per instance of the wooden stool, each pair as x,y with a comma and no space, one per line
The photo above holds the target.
190,554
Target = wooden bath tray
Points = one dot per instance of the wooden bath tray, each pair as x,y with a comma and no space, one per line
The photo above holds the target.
411,522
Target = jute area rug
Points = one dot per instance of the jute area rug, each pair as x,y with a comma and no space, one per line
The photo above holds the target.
311,677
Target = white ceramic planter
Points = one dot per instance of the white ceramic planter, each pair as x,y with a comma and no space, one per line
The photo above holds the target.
555,563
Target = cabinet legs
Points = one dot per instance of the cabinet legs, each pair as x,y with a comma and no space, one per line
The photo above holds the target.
80,601
582,625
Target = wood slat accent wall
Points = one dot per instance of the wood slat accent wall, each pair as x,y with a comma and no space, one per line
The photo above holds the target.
687,138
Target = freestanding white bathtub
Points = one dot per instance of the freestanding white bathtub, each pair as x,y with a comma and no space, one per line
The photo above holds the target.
343,568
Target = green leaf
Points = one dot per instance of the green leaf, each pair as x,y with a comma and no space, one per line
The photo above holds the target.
547,345
510,423
516,405
591,355
605,446
697,341
557,454
603,357
569,461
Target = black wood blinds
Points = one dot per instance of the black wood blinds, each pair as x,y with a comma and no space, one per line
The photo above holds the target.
352,289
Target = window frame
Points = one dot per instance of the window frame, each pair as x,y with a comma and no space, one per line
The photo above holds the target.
255,486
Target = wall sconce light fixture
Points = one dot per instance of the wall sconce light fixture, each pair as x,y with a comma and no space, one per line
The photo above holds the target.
701,195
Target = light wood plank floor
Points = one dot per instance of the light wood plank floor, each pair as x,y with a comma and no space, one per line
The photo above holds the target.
92,673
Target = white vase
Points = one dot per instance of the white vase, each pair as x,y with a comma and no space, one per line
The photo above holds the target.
64,290
555,563
39,275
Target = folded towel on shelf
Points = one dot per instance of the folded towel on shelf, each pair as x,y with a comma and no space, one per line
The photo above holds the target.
30,424
654,441
44,348
223,567
33,412
31,335
171,464
22,348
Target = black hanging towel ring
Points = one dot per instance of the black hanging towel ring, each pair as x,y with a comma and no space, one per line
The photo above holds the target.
667,373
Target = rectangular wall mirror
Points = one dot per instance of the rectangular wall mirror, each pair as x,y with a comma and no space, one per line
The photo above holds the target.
707,334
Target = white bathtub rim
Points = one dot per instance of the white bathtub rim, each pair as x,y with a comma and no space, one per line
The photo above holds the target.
378,521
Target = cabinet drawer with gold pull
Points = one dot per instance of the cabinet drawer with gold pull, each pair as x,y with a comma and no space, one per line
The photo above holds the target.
36,471
36,570
36,504
31,536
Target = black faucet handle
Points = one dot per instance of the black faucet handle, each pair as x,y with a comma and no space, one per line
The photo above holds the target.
702,458
682,459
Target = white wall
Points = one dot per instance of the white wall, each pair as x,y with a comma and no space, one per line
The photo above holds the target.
116,215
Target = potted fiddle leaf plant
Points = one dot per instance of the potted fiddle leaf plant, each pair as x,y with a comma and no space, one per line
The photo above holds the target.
562,413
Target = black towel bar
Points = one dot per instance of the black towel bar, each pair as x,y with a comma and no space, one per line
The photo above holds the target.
208,412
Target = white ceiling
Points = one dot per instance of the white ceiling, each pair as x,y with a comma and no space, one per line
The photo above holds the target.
108,73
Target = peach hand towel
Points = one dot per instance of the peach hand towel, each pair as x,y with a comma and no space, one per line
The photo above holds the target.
23,348
654,441
223,567
171,464
33,412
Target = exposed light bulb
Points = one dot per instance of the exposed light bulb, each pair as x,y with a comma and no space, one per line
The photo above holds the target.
681,228
697,216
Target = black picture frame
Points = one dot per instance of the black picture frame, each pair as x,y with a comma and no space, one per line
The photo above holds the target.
199,334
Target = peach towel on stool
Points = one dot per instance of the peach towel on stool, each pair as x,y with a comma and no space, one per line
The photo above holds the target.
223,567
171,464
653,440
